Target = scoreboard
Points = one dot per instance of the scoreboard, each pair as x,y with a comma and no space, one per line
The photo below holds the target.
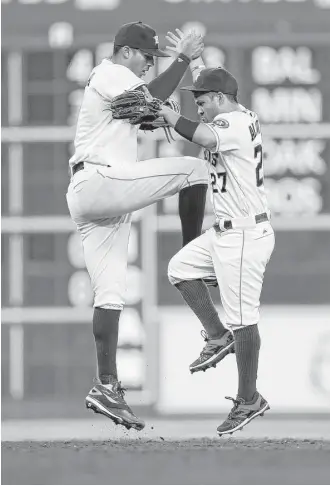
289,87
280,56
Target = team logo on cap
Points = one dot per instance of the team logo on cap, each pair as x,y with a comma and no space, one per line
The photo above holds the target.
156,40
221,122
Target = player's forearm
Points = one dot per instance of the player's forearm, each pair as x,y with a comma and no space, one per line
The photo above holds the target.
163,86
193,131
196,66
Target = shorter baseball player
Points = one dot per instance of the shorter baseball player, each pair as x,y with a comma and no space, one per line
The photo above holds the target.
238,247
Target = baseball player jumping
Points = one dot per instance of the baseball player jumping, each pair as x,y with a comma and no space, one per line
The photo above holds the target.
107,185
238,247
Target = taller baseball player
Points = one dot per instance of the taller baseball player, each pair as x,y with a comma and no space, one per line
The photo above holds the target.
107,185
238,247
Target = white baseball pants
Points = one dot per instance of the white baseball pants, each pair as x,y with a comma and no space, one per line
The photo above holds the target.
100,200
238,259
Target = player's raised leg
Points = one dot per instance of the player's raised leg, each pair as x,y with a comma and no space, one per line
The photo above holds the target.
113,192
105,249
186,271
118,190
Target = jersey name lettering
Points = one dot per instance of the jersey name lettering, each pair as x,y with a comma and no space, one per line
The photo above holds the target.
211,157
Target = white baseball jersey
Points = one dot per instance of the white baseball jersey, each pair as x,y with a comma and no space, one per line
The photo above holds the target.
99,138
100,199
236,165
237,258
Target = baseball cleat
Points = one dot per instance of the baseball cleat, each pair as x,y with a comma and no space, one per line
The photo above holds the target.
109,400
213,352
242,413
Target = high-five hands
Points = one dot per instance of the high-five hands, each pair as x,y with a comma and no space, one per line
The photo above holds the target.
190,44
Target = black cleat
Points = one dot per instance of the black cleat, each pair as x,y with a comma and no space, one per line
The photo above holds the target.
242,413
109,400
213,352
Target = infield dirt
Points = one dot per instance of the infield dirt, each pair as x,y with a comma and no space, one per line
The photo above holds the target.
161,461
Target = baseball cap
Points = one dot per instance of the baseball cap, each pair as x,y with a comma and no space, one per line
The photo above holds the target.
215,79
139,36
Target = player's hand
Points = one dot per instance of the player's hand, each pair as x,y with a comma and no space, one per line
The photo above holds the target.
190,44
164,110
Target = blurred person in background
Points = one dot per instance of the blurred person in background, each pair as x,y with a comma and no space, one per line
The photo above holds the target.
107,186
238,247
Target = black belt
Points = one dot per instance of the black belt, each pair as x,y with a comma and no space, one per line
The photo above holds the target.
227,224
76,168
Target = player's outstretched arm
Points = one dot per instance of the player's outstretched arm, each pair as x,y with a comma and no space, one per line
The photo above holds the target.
193,131
190,47
196,65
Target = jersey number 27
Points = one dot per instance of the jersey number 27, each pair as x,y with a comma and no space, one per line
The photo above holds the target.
214,181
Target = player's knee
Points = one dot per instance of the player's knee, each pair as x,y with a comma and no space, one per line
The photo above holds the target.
109,299
200,169
174,270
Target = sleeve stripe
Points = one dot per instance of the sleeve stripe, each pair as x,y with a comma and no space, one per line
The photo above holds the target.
217,148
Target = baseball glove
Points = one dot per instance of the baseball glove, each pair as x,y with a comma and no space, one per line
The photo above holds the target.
135,107
160,122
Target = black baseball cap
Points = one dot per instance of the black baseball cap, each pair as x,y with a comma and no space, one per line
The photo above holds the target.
215,79
139,36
